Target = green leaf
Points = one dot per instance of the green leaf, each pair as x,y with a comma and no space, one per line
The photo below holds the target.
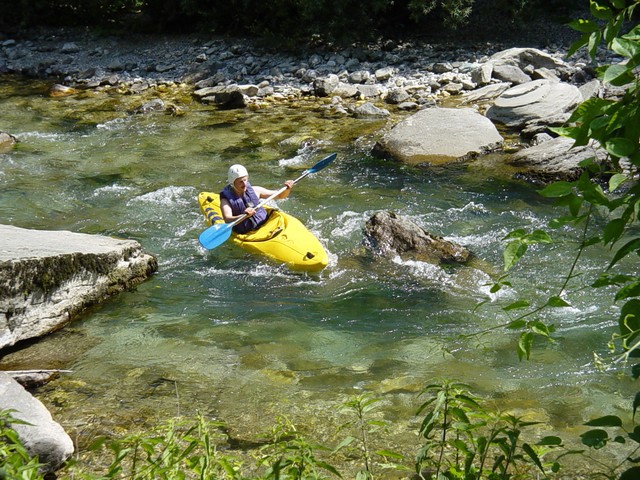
557,302
584,26
516,305
630,290
620,147
612,30
517,324
619,4
594,40
633,34
626,249
632,473
635,435
519,233
618,75
591,191
390,454
606,421
613,230
533,455
625,47
616,180
629,319
550,441
512,253
595,438
557,189
599,11
540,328
606,280
537,236
524,345
578,44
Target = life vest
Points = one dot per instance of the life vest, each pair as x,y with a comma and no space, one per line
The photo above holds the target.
240,204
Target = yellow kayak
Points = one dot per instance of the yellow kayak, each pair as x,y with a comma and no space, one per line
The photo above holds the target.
282,237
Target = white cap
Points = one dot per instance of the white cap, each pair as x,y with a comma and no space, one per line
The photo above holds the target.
236,171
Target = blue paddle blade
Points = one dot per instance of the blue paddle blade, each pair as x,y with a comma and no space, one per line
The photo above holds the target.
215,235
322,163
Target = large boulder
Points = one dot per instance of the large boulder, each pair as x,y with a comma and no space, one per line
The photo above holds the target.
48,277
555,159
389,234
439,135
516,65
534,101
41,435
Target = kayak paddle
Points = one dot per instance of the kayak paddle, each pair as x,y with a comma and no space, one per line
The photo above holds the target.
220,232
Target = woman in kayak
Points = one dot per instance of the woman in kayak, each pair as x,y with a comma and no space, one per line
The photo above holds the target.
239,197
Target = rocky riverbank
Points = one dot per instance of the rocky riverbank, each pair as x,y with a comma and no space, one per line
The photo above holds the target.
82,59
522,88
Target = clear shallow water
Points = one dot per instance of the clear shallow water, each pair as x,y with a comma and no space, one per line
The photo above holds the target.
245,340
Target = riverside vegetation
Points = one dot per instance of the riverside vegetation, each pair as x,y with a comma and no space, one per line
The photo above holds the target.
459,437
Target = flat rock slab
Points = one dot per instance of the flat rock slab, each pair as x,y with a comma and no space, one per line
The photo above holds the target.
439,135
48,277
534,101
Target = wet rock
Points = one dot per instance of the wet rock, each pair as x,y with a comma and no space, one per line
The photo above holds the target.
7,141
58,90
155,105
389,234
47,278
554,159
41,435
224,96
439,135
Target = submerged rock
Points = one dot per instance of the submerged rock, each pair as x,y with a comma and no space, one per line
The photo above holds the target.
49,277
387,234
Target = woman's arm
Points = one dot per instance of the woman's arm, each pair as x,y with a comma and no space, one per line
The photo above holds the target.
266,193
227,212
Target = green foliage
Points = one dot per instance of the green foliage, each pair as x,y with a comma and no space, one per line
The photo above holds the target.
456,12
365,428
462,440
15,461
609,187
289,455
286,21
179,449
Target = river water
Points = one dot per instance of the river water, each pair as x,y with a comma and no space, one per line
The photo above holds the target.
245,341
